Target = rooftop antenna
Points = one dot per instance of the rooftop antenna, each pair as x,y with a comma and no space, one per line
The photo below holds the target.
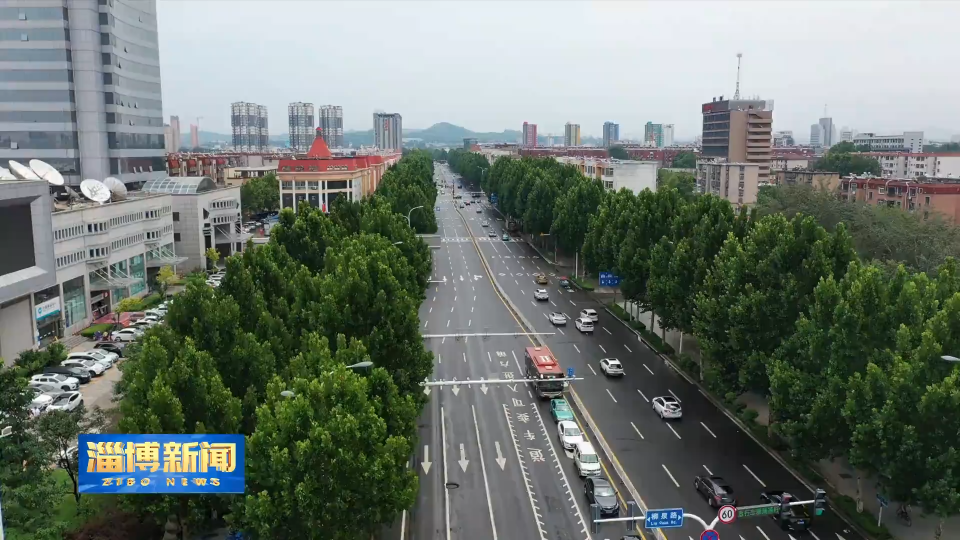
736,94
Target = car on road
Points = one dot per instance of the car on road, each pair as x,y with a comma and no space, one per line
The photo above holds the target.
211,282
611,367
667,407
560,410
716,490
486,224
541,294
600,492
541,279
505,237
586,460
82,375
126,334
479,210
569,434
558,319
585,325
61,381
92,367
66,401
589,314
789,520
115,348
565,282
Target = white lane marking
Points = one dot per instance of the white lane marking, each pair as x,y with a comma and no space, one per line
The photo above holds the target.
674,395
425,323
517,282
554,305
431,310
648,369
637,430
607,331
469,322
708,470
448,323
434,299
627,348
532,302
613,398
561,330
591,369
489,358
808,530
446,492
474,298
674,431
471,309
529,393
578,349
521,290
526,475
451,308
643,396
602,349
708,430
754,476
439,359
765,534
670,475
571,302
454,298
483,468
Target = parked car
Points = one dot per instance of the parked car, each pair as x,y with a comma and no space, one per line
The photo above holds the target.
154,313
66,401
600,492
716,490
143,325
569,433
82,375
611,367
105,361
46,388
667,407
61,381
39,400
127,334
115,348
92,367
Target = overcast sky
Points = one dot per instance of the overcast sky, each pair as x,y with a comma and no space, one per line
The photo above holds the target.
487,66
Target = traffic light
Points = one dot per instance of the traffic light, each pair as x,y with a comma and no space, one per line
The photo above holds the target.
819,502
785,501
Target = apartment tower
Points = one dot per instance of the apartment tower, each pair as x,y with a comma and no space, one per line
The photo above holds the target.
388,131
301,126
611,134
571,134
248,121
331,122
81,88
738,131
529,135
175,130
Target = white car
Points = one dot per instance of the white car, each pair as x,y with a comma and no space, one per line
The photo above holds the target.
558,319
62,381
156,313
152,319
667,407
569,434
541,294
66,401
40,400
103,358
127,334
585,325
589,314
213,283
91,366
611,367
484,223
46,388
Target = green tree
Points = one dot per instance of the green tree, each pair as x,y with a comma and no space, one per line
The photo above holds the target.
618,152
685,160
59,431
572,212
166,277
601,245
683,182
538,217
649,221
846,163
212,256
261,194
844,147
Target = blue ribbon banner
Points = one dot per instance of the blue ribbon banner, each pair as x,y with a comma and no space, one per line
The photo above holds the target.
120,463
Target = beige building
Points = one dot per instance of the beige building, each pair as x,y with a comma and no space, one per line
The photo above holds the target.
827,181
739,131
571,134
616,174
738,183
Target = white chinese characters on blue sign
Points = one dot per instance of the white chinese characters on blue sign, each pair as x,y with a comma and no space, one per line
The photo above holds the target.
667,518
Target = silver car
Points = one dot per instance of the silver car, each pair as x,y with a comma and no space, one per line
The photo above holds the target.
558,319
667,407
61,381
611,367
541,294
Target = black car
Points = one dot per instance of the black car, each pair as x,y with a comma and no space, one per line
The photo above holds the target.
81,375
599,491
794,519
716,490
111,347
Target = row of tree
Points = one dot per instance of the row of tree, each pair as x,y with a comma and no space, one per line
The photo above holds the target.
847,350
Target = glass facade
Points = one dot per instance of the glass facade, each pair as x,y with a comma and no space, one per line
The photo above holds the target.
138,271
74,302
118,270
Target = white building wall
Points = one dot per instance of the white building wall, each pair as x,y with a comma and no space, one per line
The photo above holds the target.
947,166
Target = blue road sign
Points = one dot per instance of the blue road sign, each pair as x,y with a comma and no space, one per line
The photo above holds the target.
493,198
608,279
569,372
666,518
882,500
709,534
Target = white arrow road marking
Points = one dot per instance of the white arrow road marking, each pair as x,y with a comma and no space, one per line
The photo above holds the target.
602,349
611,397
461,278
754,476
501,461
591,369
512,387
674,395
646,367
668,474
637,430
708,470
483,387
643,396
463,459
708,430
456,388
668,425
765,534
477,278
426,459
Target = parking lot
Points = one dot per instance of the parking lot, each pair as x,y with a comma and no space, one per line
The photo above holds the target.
99,391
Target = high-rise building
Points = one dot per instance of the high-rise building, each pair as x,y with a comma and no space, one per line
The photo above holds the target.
667,131
388,131
816,135
529,135
331,122
169,141
571,134
301,125
249,124
611,134
72,94
846,134
175,130
828,133
658,135
194,136
738,131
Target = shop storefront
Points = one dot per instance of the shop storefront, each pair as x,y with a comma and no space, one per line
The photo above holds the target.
48,315
74,302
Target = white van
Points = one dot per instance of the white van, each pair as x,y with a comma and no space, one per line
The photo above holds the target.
587,460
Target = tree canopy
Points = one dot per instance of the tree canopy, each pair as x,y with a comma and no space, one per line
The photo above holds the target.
618,152
261,194
841,159
685,160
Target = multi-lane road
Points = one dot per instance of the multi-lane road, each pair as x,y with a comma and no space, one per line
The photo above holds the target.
496,468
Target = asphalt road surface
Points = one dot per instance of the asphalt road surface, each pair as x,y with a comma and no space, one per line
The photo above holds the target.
496,470
660,458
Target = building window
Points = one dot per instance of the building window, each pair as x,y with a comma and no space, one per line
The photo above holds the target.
176,237
176,216
74,301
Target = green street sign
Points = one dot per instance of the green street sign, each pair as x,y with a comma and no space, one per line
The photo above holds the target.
759,510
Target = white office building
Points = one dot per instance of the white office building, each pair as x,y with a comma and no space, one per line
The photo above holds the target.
616,174
909,141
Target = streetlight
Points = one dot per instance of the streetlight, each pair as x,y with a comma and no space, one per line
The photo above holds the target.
359,365
948,358
398,243
410,212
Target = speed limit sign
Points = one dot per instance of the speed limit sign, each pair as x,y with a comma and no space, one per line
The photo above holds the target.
727,514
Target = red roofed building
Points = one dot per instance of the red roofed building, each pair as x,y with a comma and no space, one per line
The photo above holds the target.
319,178
926,195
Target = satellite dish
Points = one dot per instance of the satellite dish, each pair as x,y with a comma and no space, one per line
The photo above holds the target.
46,171
116,187
95,191
5,174
22,172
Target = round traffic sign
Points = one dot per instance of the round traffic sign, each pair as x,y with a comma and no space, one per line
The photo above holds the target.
709,534
727,514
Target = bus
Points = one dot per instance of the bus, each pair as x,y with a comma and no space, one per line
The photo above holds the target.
541,364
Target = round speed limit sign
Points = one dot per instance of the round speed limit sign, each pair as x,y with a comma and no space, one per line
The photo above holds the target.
727,514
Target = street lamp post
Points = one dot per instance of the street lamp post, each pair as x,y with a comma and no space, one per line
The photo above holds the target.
410,212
